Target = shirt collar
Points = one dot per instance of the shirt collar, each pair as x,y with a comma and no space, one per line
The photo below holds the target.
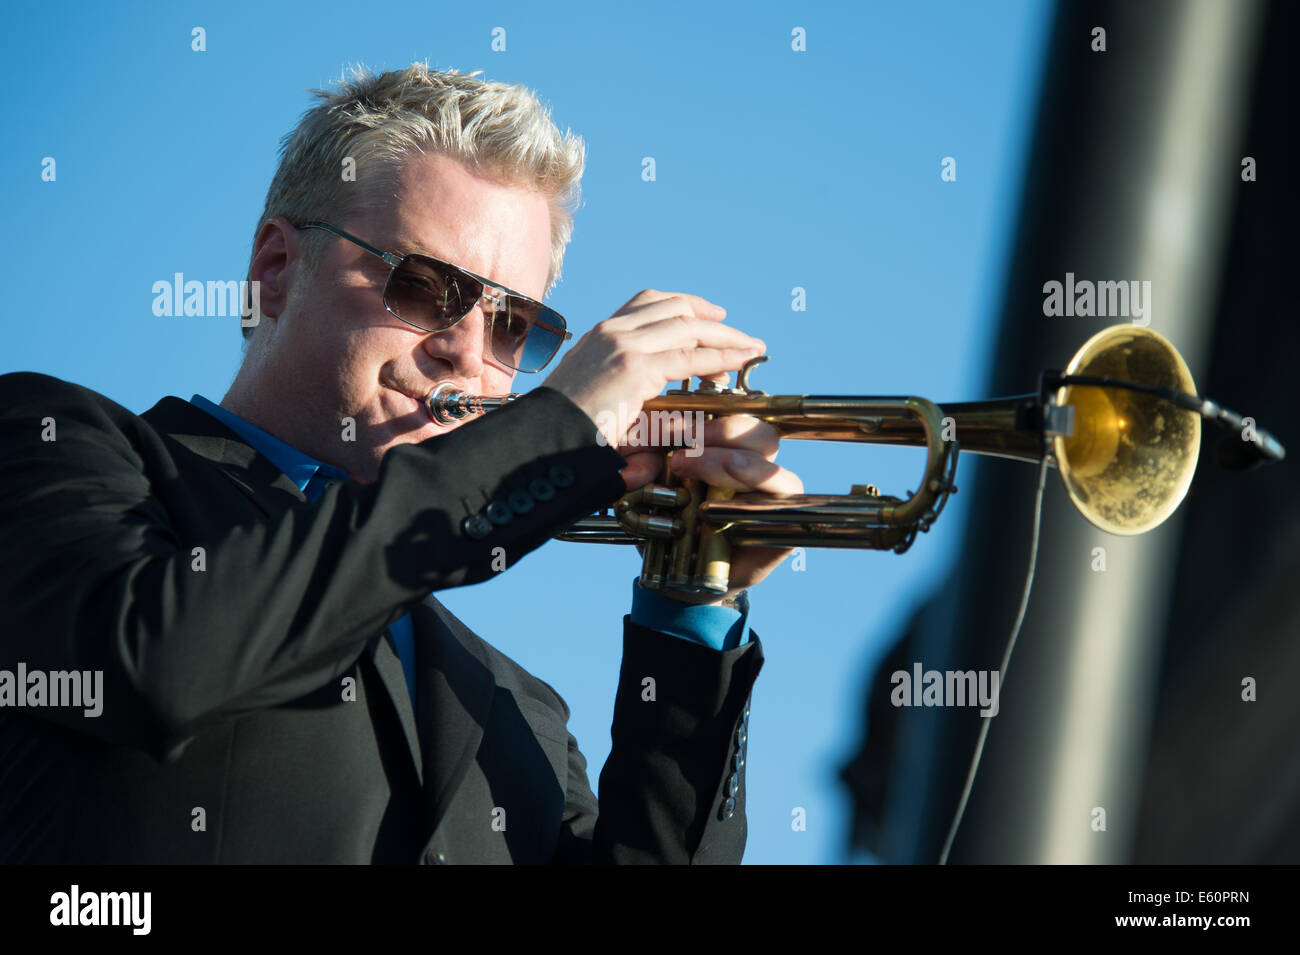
300,468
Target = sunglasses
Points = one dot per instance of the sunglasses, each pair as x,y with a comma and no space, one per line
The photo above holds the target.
433,295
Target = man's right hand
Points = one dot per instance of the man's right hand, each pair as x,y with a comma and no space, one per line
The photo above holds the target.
656,338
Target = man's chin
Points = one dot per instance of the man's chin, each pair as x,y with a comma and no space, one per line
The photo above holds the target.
416,432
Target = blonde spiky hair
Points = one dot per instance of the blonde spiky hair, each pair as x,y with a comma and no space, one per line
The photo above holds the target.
379,120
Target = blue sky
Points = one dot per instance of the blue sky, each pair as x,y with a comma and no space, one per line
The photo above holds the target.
774,169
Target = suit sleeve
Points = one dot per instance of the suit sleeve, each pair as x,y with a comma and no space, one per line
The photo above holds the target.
100,526
673,788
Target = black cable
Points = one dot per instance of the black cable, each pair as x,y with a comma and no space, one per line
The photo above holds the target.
1260,446
1006,662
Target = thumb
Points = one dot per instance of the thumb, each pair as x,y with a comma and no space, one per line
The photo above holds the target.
641,469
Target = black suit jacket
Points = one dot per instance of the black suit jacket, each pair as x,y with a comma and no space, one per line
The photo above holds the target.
253,709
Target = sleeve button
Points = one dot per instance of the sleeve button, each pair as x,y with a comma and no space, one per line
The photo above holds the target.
561,476
499,513
541,489
477,526
521,502
728,808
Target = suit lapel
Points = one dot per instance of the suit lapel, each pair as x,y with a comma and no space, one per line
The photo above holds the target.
389,666
454,689
207,437
265,485
454,682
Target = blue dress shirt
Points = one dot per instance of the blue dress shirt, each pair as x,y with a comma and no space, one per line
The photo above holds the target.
718,627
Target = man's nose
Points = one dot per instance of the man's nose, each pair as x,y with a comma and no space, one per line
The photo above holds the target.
462,345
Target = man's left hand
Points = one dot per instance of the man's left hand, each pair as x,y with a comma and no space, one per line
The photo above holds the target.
738,452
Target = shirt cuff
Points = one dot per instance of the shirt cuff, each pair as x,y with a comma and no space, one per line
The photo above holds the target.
720,628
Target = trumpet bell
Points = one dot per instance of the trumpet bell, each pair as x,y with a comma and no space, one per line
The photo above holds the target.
1131,458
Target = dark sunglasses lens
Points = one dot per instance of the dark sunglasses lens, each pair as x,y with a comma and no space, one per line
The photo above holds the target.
526,335
430,294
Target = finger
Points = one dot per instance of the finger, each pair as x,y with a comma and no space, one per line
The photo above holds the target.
738,470
650,295
641,469
744,432
684,363
749,565
651,305
687,429
682,331
657,310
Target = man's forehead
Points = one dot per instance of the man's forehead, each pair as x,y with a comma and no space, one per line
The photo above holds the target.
437,206
491,248
405,241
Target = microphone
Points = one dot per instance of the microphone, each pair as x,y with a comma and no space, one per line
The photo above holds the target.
1235,453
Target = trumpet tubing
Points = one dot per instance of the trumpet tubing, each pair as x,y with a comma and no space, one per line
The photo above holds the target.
1126,459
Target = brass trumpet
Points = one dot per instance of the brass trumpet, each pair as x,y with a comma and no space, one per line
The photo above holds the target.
1122,426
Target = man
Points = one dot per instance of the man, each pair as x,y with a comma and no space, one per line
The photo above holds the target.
253,579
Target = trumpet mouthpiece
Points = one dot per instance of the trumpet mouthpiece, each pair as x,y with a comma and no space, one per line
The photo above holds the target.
447,403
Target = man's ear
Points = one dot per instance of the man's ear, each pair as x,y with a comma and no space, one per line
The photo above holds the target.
277,258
